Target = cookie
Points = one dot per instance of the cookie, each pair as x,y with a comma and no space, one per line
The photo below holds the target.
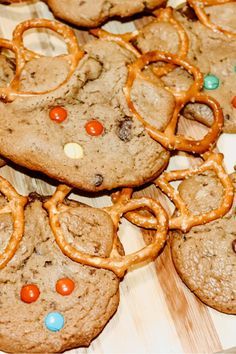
205,257
88,13
83,132
215,53
56,304
211,51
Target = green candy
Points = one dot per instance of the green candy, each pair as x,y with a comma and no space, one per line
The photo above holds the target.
211,82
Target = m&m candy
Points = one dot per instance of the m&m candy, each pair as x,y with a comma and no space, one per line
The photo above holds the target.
73,150
58,114
29,293
94,127
211,82
234,102
65,286
54,321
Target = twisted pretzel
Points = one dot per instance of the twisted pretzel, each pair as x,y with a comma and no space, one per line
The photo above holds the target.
125,40
23,55
115,262
168,138
199,8
185,220
15,207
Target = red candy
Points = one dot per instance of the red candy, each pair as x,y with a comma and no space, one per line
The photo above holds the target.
234,102
29,293
58,114
94,127
65,286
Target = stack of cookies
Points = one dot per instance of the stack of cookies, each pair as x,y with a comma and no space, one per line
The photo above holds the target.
108,116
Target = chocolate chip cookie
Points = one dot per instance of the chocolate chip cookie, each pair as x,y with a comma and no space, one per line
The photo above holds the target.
88,13
205,257
83,133
213,52
48,302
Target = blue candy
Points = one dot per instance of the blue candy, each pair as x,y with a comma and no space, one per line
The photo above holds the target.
211,82
54,321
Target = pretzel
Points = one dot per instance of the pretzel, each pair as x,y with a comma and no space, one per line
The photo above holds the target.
125,40
115,262
23,55
166,15
199,8
15,206
168,138
186,220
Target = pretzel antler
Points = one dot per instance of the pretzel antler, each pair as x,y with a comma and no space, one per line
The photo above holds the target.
167,15
125,40
115,262
15,207
24,55
186,220
199,8
168,138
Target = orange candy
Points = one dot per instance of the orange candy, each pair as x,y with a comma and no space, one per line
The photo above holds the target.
94,127
29,293
234,102
65,286
58,114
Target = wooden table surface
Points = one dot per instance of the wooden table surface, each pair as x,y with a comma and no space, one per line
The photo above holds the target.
157,313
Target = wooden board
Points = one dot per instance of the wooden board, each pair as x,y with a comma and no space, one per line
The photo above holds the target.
157,313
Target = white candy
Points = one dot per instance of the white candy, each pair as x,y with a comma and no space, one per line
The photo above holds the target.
73,151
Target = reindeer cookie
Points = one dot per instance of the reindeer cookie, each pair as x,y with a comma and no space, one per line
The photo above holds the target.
60,265
205,257
68,116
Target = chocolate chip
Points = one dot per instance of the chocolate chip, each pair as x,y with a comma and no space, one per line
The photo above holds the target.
98,180
124,132
189,13
234,245
227,116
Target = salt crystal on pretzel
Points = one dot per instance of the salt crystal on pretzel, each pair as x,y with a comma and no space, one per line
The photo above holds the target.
199,8
185,220
23,55
15,207
168,138
115,262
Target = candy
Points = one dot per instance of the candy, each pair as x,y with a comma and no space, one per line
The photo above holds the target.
211,82
73,151
234,102
65,286
94,127
58,114
54,321
29,293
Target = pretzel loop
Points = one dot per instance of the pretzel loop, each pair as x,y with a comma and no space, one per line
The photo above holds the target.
186,220
5,93
166,15
24,55
168,138
115,262
199,5
121,39
15,207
